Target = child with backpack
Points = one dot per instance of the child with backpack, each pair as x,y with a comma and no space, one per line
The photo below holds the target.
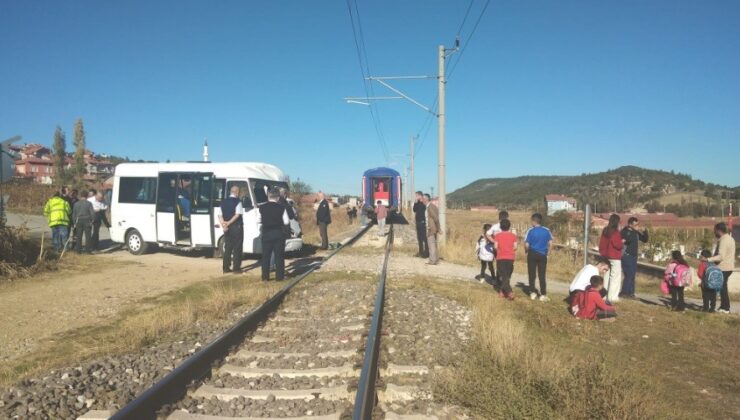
588,304
484,251
677,275
711,278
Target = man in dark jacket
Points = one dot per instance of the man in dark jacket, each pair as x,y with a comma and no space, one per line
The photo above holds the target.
421,225
274,219
631,237
83,216
233,226
323,219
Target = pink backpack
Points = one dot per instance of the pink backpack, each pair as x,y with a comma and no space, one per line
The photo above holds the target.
678,275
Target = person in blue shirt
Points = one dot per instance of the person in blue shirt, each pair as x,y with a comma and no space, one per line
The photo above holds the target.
537,244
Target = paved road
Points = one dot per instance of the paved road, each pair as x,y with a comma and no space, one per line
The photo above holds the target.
37,225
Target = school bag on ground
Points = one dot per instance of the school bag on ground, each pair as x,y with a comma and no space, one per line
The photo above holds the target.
713,278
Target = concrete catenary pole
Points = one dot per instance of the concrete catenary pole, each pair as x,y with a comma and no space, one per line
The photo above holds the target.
441,146
586,231
412,191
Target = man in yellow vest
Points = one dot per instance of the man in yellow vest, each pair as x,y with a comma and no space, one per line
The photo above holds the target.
57,213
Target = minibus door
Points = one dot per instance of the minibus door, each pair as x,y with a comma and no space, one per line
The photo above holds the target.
201,211
166,206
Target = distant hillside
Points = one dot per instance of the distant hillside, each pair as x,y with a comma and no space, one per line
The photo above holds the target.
624,187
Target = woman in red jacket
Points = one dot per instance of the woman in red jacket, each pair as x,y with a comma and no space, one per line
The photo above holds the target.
610,247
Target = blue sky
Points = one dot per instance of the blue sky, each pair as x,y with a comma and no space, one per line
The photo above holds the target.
543,87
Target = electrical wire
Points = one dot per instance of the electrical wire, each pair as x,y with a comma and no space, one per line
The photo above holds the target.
365,72
467,41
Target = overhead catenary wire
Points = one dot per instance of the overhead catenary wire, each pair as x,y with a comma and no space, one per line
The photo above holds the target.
365,72
467,41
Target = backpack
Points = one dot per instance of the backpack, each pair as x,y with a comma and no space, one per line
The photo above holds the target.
678,275
713,278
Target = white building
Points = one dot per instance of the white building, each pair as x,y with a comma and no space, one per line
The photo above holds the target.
557,202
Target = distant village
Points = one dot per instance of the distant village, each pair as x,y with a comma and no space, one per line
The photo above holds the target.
35,164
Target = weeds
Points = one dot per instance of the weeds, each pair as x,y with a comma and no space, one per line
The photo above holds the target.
20,256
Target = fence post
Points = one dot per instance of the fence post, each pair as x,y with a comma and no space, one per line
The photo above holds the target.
586,232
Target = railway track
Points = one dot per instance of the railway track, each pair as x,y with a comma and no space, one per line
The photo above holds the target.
316,356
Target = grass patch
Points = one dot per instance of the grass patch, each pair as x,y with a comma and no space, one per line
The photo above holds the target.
152,320
534,360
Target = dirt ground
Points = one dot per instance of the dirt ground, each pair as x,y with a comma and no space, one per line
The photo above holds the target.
36,309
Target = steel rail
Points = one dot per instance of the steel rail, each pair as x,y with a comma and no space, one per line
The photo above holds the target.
174,385
366,393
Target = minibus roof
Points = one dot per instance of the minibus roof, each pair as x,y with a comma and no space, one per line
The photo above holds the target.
233,170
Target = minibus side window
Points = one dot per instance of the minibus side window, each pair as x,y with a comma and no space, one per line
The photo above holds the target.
137,190
219,192
243,193
202,185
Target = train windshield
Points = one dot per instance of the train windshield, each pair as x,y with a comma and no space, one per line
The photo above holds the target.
382,190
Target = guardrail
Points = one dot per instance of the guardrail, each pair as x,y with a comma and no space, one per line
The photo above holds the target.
648,269
366,393
174,385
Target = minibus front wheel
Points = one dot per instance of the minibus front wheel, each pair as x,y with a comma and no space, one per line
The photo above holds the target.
135,242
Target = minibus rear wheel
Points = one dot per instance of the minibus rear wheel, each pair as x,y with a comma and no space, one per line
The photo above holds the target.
135,243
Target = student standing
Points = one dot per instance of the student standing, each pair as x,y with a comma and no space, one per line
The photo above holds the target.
724,256
274,220
505,244
610,247
677,275
496,228
484,250
233,226
632,237
381,212
420,210
537,244
323,219
432,222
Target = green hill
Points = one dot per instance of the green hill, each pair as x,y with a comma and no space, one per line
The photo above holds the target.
624,187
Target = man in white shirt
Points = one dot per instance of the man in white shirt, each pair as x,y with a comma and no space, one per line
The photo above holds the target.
496,228
583,279
100,208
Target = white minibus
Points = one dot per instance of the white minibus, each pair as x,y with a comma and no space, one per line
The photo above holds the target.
178,204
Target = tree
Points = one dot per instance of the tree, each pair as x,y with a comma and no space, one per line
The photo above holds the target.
79,157
60,152
299,188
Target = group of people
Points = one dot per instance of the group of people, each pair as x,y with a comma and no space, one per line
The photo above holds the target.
75,218
597,286
498,243
426,215
274,218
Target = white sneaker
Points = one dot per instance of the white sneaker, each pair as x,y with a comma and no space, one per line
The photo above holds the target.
544,298
533,296
723,311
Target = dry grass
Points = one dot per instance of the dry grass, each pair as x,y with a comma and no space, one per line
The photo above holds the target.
155,319
533,360
28,198
339,225
20,256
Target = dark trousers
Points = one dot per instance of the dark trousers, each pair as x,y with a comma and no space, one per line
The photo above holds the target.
273,241
629,267
537,266
324,235
421,237
100,219
83,227
489,265
677,301
724,295
505,268
233,244
709,298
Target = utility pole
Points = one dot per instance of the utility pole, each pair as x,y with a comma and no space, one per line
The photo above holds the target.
411,180
441,148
